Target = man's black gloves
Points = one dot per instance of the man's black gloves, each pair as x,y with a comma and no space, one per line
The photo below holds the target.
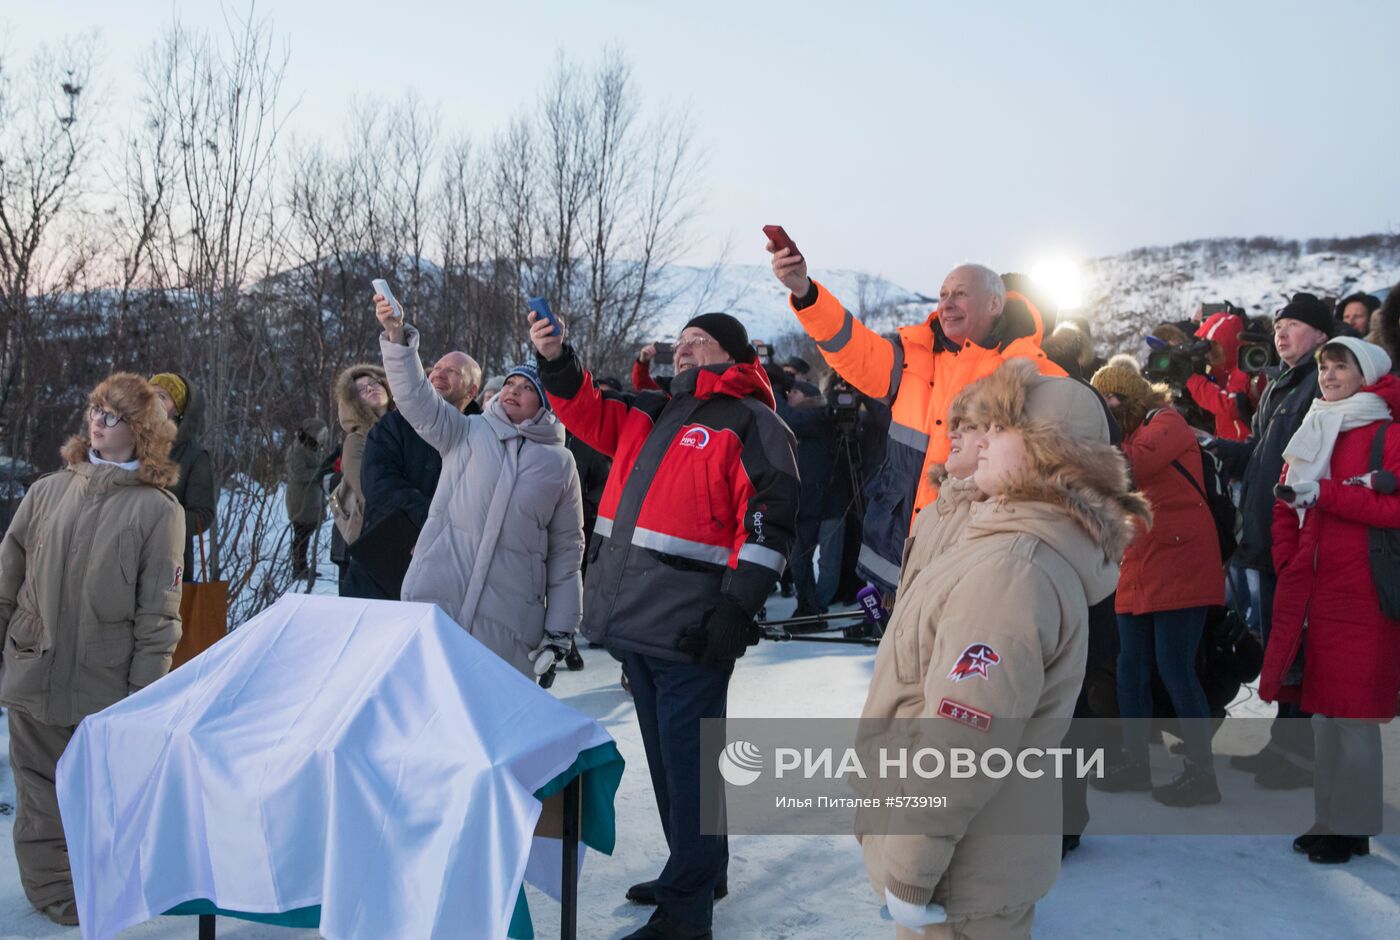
722,636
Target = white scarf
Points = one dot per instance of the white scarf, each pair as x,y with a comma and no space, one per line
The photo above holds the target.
132,465
1309,452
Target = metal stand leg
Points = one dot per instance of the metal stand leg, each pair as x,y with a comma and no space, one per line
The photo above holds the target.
568,914
206,927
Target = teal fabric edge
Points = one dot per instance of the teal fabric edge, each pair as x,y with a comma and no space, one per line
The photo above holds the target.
521,926
601,767
300,917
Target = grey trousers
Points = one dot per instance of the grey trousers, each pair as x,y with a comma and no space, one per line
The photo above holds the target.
1347,792
40,848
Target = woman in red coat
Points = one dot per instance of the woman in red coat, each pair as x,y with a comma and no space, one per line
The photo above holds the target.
1332,649
1171,575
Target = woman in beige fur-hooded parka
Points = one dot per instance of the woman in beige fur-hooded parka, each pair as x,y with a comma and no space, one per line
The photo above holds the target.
986,649
90,573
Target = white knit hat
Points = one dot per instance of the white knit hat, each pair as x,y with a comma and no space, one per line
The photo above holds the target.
1374,361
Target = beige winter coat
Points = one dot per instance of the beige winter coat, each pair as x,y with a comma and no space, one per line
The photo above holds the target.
937,526
90,573
356,419
1020,581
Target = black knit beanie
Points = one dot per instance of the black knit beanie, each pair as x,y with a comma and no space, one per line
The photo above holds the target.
728,332
1307,308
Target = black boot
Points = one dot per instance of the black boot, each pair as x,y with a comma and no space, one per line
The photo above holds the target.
573,660
1307,840
664,927
1338,850
1124,773
1068,844
1192,787
1256,763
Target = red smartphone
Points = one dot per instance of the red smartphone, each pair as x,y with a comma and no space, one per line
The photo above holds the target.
780,239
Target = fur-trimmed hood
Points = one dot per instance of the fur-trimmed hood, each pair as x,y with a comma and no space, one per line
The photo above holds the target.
351,411
1086,480
133,398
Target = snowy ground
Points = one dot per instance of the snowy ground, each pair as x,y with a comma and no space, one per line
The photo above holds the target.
814,886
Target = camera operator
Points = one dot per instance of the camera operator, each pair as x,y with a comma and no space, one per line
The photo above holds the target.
1172,359
1219,387
1299,329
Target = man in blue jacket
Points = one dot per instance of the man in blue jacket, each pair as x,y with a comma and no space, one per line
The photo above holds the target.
400,470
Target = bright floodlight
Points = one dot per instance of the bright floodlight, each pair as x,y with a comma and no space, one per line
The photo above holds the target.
1061,280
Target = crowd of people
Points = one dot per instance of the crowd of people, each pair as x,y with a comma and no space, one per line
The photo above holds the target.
1075,536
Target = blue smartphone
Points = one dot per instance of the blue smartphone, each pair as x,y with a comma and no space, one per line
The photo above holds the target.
541,307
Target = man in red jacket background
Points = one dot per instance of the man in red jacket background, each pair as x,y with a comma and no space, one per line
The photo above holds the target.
1221,392
695,524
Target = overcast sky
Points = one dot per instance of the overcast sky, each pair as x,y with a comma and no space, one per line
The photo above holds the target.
897,138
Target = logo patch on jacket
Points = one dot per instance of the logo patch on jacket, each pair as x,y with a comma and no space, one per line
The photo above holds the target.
965,714
976,660
696,437
175,582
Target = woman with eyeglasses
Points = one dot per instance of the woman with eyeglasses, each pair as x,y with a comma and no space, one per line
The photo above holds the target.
90,573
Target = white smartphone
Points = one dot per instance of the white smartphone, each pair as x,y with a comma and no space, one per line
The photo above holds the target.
381,286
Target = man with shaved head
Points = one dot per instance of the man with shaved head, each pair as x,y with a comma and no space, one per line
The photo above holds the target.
977,326
400,471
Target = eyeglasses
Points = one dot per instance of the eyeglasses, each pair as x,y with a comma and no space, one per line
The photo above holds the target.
106,417
692,341
368,385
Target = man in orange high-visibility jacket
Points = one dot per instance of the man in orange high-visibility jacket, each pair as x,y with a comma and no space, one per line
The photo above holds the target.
978,325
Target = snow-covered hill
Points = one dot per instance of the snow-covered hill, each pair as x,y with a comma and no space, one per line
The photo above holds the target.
1126,295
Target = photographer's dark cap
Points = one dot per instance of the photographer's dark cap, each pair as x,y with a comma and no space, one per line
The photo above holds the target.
1308,309
797,364
728,332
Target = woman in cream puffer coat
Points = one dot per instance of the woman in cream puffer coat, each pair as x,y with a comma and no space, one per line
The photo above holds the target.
501,550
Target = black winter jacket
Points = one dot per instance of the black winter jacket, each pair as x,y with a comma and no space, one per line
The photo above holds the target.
821,467
1259,460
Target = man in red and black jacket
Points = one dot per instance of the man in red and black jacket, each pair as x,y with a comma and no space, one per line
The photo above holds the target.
696,522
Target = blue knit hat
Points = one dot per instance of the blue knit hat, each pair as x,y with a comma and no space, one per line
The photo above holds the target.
531,373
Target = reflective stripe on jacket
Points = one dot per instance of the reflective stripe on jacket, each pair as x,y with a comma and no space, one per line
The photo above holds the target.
920,376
